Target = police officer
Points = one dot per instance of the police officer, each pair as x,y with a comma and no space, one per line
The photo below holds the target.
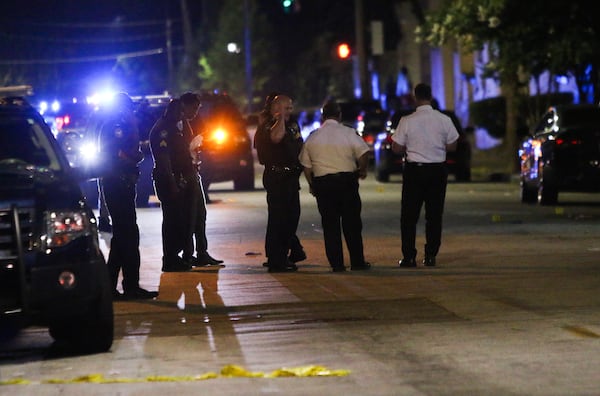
278,143
425,136
196,235
119,146
173,174
334,158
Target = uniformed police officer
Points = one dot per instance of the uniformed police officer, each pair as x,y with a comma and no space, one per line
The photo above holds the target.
334,159
196,235
119,146
278,143
173,175
425,136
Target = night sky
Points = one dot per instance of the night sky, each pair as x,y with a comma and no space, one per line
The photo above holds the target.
52,39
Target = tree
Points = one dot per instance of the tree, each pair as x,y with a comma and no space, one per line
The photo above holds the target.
222,70
525,38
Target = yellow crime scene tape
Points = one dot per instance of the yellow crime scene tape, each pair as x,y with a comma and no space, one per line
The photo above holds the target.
229,371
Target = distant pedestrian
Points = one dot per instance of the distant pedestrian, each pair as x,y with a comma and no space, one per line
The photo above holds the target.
120,146
425,136
278,143
334,158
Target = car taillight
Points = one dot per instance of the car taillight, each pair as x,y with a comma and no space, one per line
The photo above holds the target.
62,122
567,142
369,139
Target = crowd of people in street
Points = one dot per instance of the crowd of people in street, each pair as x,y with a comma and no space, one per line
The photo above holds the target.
333,159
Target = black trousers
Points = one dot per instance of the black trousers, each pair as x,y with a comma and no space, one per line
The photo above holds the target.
283,203
339,204
177,221
197,227
124,255
422,184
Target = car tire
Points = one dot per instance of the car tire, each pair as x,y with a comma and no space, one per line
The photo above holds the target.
529,195
244,181
91,332
547,193
463,174
382,175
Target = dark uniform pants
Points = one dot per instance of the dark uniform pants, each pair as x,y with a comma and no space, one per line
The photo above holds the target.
176,224
197,227
283,202
338,201
119,194
422,183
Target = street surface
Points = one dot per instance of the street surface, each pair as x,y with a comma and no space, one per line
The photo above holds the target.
513,308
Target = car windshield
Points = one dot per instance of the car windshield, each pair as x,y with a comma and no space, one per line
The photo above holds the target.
23,141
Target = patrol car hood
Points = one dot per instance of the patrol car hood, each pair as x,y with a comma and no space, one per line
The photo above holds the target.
20,183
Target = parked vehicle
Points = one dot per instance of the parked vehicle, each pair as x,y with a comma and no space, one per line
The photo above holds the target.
52,271
561,154
387,162
226,151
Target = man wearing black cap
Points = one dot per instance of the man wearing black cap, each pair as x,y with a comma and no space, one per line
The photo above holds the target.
119,146
334,159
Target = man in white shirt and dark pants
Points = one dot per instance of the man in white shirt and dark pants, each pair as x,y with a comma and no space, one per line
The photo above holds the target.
334,158
425,136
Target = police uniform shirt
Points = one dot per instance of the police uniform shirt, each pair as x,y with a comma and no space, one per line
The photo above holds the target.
333,148
118,137
284,153
425,134
172,142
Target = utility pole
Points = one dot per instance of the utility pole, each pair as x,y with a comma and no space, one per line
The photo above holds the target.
248,55
359,26
169,44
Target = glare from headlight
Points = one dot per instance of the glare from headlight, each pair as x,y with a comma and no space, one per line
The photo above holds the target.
88,152
219,135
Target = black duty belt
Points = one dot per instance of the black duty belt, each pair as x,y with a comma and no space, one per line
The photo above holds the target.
338,175
283,169
425,164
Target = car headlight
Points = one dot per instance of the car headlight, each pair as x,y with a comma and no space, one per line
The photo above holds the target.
218,136
64,227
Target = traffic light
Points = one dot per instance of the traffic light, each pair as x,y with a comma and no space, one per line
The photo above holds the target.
343,51
287,5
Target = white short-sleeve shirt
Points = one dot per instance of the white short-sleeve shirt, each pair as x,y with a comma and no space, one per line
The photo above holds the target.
332,148
425,134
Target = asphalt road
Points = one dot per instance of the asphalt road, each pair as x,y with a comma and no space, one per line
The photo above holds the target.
512,309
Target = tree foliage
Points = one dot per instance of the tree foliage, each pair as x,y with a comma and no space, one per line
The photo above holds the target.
525,38
221,70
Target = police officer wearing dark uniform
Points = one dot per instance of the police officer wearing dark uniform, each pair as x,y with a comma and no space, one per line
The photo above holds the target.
278,143
196,236
119,146
173,174
425,136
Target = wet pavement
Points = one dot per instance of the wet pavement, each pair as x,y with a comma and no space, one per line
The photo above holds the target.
511,311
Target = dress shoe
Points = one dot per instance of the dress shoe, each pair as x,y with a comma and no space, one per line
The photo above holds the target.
139,294
117,295
297,256
429,261
407,263
204,260
283,269
338,269
363,267
177,265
